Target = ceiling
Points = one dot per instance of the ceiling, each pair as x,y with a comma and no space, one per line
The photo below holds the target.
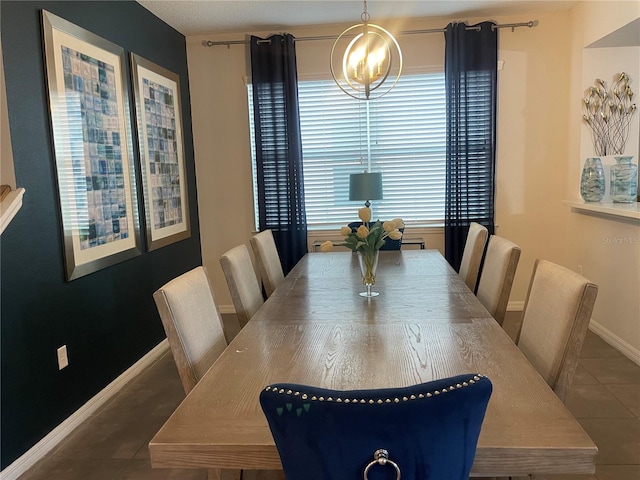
192,17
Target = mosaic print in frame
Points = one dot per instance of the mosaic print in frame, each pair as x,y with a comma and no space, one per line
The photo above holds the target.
157,92
96,180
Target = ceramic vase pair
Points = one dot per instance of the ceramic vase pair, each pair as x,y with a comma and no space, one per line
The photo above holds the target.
623,185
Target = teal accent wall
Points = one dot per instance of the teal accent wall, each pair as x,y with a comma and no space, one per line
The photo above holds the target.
107,319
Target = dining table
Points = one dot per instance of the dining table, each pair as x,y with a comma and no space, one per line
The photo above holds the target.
426,324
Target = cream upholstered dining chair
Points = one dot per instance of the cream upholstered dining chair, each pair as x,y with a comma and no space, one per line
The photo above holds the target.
268,260
192,323
472,254
556,315
496,279
195,332
242,282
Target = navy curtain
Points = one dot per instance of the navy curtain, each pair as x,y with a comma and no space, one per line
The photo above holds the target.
471,58
279,145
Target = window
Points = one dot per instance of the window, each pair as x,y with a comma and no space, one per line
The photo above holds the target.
406,143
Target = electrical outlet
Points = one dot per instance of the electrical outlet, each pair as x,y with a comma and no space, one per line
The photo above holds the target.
63,358
580,269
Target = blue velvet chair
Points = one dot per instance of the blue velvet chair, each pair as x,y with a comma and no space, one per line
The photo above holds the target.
389,244
430,431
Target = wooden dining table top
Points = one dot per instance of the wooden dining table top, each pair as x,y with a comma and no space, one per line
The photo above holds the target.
316,330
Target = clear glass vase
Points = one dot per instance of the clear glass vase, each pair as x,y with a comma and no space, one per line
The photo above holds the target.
592,181
368,261
624,180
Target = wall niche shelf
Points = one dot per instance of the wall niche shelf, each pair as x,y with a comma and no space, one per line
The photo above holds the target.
9,207
609,209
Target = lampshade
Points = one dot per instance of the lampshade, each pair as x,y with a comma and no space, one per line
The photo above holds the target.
365,186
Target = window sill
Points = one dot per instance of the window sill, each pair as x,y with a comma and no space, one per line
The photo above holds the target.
413,242
9,207
608,209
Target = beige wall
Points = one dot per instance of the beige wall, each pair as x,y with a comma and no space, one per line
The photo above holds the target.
607,249
536,151
222,153
532,131
7,174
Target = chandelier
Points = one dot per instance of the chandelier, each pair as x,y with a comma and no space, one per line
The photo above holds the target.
372,61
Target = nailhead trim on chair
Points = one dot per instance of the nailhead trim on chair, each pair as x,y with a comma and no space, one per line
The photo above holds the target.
304,396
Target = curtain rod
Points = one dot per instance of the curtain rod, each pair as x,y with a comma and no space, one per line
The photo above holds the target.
512,26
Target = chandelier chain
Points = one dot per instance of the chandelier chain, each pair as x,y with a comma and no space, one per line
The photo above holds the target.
365,17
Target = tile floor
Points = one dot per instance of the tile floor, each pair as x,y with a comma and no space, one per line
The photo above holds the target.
112,444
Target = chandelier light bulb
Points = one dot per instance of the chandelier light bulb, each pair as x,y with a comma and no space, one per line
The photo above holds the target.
365,61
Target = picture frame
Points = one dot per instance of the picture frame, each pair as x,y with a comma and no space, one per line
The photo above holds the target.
90,122
162,160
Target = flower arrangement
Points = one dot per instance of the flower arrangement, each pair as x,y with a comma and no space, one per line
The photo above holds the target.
367,240
608,114
367,237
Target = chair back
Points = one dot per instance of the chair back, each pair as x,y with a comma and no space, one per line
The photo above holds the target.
389,243
556,315
192,323
242,282
429,430
472,254
496,278
268,260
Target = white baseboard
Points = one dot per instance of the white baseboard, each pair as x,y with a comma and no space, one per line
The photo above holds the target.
48,443
226,309
515,306
616,342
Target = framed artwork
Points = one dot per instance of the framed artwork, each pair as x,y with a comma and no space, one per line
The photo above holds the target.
164,182
88,101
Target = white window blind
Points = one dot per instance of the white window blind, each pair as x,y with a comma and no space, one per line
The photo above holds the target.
406,144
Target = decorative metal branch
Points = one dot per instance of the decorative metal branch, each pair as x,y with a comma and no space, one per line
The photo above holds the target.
608,114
